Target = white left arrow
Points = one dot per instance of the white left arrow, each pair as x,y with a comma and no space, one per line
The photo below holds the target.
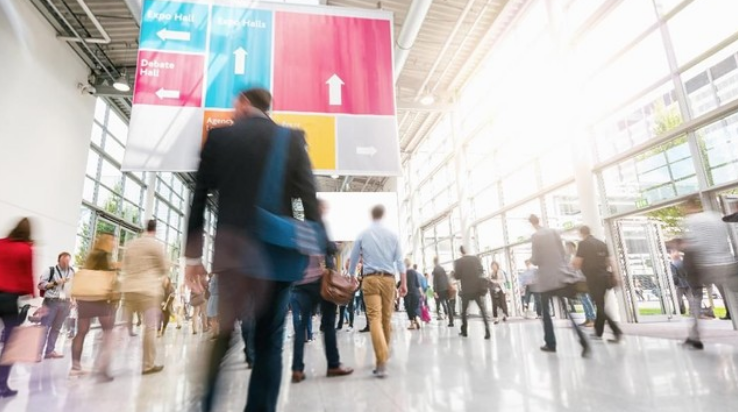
334,90
165,35
240,66
167,94
366,151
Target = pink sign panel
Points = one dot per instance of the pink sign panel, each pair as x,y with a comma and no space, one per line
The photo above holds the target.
333,64
169,79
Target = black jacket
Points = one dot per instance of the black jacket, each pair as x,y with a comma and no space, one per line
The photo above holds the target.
468,269
440,279
232,163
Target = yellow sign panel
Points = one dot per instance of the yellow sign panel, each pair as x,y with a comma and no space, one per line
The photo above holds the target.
320,133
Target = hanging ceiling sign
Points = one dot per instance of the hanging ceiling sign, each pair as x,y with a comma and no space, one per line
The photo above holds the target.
329,70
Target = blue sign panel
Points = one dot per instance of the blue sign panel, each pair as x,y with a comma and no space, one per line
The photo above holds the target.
240,53
172,26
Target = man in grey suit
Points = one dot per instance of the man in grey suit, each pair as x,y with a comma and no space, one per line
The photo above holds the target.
553,279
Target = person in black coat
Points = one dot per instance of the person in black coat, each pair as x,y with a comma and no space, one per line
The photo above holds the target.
232,163
468,269
441,292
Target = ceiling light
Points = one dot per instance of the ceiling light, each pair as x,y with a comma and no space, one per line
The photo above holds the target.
122,84
428,99
335,176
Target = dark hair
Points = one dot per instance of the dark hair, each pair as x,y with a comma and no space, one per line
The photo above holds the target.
259,98
462,249
377,212
415,266
151,225
61,255
534,220
435,260
585,230
22,231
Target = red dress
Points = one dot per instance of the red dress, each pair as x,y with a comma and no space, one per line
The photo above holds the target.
16,267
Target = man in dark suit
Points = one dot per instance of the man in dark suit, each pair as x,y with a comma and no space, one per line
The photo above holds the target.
441,291
232,163
468,269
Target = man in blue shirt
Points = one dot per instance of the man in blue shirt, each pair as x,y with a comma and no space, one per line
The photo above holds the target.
379,249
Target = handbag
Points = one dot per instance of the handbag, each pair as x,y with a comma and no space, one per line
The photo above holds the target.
197,300
23,345
425,313
306,237
95,285
337,288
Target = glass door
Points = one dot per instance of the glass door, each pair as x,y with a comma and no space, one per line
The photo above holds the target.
641,253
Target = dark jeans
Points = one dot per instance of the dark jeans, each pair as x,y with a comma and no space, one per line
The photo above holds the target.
597,289
443,301
346,312
58,311
307,297
548,329
465,308
498,301
297,318
9,316
269,300
247,334
412,304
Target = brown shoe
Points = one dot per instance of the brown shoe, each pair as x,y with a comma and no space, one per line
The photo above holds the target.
298,376
54,355
339,371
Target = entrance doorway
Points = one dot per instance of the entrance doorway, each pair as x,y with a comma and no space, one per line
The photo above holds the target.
649,291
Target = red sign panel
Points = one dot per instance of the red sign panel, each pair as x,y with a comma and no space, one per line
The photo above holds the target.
169,79
333,64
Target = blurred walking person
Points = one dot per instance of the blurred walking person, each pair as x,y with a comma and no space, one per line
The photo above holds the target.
212,308
470,272
55,286
593,259
16,280
589,311
497,279
413,297
707,259
234,161
144,267
379,249
441,288
99,260
168,306
553,280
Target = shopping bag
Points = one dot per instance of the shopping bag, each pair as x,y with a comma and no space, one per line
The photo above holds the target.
24,345
425,313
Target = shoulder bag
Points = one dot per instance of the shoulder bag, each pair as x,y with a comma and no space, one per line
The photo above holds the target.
337,288
95,285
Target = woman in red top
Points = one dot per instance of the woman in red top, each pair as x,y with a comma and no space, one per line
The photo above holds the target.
16,279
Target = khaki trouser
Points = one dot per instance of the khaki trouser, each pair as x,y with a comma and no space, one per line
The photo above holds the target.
150,309
379,297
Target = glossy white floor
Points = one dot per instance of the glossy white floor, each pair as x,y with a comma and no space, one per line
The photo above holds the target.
431,370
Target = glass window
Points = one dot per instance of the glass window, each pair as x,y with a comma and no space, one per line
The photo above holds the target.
562,208
556,165
88,192
133,191
664,7
578,12
713,82
719,146
114,149
100,110
93,161
519,185
657,174
713,20
108,201
117,127
490,234
638,68
486,202
97,134
111,176
518,227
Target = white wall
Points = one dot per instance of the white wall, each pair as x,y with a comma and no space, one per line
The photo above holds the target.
349,213
45,128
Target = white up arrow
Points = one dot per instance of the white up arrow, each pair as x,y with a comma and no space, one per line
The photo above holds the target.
240,67
165,35
334,90
167,94
366,151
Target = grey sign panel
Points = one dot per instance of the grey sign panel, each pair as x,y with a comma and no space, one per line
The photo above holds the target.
368,145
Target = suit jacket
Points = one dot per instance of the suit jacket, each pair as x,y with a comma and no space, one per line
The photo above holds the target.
548,254
144,266
440,279
232,163
468,269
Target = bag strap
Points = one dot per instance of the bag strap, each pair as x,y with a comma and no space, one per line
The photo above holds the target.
272,180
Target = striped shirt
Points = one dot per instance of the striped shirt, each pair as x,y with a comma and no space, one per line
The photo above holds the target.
708,238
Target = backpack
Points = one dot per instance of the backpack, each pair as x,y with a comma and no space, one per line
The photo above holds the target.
52,270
